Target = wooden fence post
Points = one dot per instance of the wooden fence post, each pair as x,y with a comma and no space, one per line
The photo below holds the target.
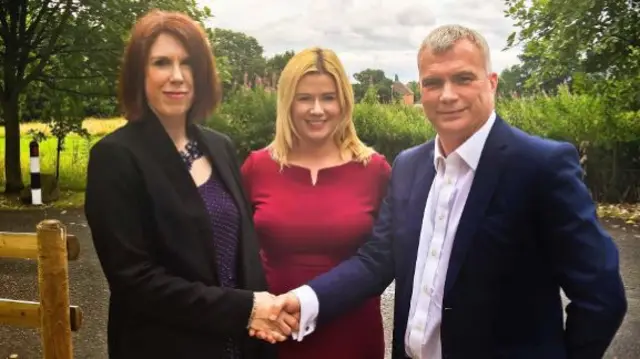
53,277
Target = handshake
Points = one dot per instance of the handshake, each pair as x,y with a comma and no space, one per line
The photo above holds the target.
274,318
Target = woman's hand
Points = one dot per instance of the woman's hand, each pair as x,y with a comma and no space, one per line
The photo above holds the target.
268,321
278,327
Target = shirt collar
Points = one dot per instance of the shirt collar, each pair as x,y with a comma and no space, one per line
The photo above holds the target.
471,149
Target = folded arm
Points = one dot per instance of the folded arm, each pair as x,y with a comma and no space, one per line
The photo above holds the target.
584,257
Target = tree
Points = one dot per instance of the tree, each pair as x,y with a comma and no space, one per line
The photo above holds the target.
512,81
415,88
371,96
277,62
242,52
71,47
29,44
376,78
569,37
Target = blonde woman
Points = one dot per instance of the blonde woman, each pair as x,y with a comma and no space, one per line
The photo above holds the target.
316,190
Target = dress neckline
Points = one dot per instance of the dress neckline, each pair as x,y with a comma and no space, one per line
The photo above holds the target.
325,175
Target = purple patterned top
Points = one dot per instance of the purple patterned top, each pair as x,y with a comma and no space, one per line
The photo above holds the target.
225,223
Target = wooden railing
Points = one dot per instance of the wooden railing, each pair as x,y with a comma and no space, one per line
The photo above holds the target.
53,315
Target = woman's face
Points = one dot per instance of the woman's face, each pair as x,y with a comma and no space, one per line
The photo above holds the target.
169,79
315,111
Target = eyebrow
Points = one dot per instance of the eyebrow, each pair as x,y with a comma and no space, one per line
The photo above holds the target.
457,74
308,94
465,73
162,57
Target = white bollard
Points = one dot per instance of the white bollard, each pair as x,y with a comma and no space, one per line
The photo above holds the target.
36,191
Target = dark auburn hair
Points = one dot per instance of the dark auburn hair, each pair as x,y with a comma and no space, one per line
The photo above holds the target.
131,89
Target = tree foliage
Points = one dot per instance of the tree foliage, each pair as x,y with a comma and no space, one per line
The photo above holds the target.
597,41
589,49
512,81
414,86
376,78
243,53
277,62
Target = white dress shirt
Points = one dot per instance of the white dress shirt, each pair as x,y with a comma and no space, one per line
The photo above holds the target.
445,204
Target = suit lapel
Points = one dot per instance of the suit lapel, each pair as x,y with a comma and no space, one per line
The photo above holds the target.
486,178
163,149
423,178
421,185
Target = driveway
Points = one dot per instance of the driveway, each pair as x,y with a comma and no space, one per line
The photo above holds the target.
89,290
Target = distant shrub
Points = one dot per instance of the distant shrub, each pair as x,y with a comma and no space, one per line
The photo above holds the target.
609,140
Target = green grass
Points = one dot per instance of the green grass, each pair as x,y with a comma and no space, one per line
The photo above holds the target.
73,160
67,200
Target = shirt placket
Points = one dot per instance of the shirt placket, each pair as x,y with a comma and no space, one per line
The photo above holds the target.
445,189
419,318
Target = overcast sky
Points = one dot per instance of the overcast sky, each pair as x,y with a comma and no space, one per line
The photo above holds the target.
382,34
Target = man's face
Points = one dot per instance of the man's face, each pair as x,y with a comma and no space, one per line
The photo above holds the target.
457,92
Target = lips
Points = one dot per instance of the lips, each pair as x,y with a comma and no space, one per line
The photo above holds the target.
315,124
175,94
452,112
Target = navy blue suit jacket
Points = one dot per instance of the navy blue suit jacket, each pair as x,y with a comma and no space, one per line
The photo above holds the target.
529,228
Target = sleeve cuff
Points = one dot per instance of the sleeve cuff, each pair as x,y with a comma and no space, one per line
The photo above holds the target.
308,311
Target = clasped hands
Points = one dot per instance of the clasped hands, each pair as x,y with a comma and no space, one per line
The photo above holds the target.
274,317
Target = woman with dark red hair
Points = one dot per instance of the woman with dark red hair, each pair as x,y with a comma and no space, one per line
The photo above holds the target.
169,218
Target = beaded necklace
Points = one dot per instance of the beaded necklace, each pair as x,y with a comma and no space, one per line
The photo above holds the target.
190,153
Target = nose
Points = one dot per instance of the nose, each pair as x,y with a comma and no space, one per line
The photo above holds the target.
176,73
448,93
317,108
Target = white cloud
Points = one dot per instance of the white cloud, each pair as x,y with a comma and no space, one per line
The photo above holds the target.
383,34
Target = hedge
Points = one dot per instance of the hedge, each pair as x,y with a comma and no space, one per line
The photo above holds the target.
609,141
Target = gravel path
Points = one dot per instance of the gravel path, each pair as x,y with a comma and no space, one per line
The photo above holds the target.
89,291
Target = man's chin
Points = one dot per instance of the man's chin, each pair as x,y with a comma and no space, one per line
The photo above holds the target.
452,124
453,116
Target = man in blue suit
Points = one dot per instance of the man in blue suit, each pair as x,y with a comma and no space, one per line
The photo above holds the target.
480,229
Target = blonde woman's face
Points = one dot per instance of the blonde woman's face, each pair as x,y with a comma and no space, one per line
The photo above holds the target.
315,110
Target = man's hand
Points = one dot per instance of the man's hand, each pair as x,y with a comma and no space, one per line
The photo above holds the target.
290,314
287,320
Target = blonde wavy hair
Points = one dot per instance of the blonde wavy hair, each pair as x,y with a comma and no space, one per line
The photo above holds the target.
323,61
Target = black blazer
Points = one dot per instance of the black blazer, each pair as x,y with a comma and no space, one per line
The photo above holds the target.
153,237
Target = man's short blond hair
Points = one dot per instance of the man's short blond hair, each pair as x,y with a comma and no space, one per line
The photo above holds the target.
442,39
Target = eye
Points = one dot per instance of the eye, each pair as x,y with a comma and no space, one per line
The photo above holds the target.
431,82
463,79
161,62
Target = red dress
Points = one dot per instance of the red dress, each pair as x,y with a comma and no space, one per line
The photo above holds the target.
305,230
